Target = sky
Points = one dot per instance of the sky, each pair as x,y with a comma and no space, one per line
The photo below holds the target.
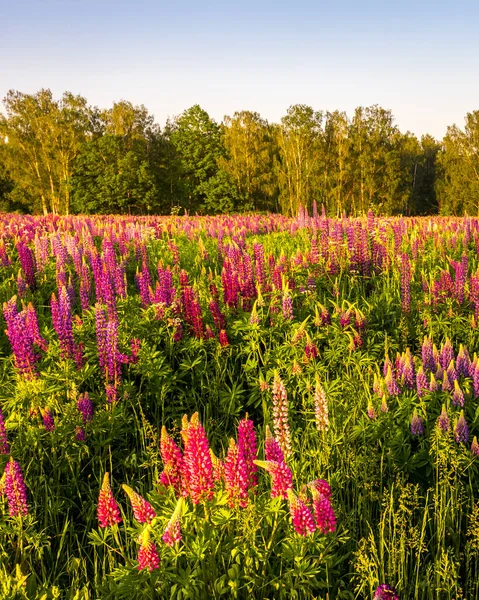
417,58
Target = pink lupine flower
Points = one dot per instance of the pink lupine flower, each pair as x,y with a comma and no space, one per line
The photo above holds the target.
281,477
391,383
301,517
248,449
280,415
173,462
172,534
4,447
108,512
322,486
323,512
372,414
147,553
142,509
15,490
198,467
272,450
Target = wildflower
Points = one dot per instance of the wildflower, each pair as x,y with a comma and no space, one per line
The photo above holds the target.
321,408
385,592
475,447
433,387
4,447
142,510
287,307
281,477
218,467
443,420
421,382
108,512
85,407
223,338
384,404
417,425
280,415
272,450
458,395
391,383
461,431
15,490
371,411
323,511
173,462
48,421
80,434
172,534
147,554
247,447
301,517
198,467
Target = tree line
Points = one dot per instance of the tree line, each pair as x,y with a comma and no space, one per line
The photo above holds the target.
65,156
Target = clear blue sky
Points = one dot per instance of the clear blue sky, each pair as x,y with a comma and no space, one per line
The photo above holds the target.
418,58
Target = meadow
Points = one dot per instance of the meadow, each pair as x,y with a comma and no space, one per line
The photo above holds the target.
247,406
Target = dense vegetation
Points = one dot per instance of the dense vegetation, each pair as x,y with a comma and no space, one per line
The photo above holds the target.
318,384
65,156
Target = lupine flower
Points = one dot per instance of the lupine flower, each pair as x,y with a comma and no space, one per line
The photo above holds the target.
443,420
15,490
323,511
417,425
142,509
223,338
384,404
427,355
461,431
281,477
48,421
272,450
301,517
408,371
218,467
172,534
458,395
248,449
475,447
385,592
287,306
4,447
371,411
85,407
463,362
433,387
421,382
321,414
446,354
405,283
80,434
236,476
322,486
147,553
280,415
198,467
173,462
107,511
391,384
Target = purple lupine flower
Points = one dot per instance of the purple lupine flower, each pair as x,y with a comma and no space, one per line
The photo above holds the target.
405,283
433,386
427,355
408,371
287,307
27,262
446,354
15,490
458,395
463,362
48,421
443,420
475,447
391,384
417,425
451,373
422,385
85,407
24,354
80,434
385,592
4,447
461,431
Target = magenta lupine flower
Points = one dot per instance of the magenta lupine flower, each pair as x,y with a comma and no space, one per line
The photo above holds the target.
446,354
31,323
80,434
301,517
408,371
248,449
427,355
198,467
192,311
322,486
218,467
422,385
223,338
48,421
173,463
280,415
172,534
310,350
385,592
321,415
142,509
461,431
405,283
236,476
443,420
323,512
281,477
218,317
85,407
4,447
107,511
25,356
417,425
15,490
458,395
27,262
463,362
475,447
287,307
272,449
147,553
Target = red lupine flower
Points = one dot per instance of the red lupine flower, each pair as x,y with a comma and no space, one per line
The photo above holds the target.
147,553
108,511
142,509
172,533
198,467
15,490
303,521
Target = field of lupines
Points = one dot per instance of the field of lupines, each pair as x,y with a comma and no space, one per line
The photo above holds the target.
239,407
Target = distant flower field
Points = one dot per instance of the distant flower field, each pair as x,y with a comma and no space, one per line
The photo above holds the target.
244,406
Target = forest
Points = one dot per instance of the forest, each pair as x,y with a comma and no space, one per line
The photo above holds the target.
64,156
